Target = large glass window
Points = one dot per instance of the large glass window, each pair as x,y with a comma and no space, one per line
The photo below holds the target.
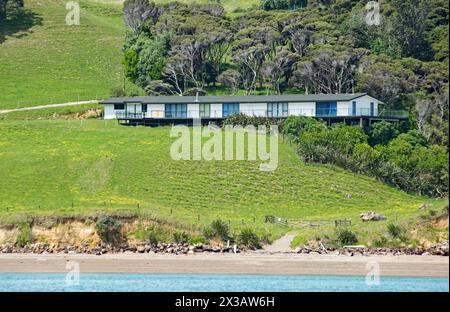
205,110
277,110
326,109
354,108
176,110
119,106
229,109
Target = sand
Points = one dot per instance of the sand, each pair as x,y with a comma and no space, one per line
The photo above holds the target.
251,263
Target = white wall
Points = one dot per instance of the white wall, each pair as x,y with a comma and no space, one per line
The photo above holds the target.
344,108
363,105
155,110
303,109
109,112
216,110
253,109
193,110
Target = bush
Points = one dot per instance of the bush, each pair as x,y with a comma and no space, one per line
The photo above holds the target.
346,237
118,92
109,230
249,239
217,229
382,133
181,237
243,120
395,231
153,238
25,236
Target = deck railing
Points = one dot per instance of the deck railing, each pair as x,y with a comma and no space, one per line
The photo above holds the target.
339,112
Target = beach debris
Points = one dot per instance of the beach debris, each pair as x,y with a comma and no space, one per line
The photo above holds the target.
371,216
425,206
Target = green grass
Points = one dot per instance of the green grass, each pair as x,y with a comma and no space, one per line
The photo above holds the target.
46,165
43,60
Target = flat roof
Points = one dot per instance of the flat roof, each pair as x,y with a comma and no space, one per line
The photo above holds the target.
234,99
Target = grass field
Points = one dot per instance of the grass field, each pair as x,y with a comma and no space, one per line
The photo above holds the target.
46,165
43,60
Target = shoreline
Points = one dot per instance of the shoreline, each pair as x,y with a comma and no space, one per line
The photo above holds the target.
244,263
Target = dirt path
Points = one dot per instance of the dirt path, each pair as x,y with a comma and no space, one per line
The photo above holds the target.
47,106
281,245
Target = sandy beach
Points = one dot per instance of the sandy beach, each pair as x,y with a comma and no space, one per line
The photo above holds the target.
289,264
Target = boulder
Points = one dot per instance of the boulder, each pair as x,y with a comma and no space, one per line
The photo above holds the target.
371,216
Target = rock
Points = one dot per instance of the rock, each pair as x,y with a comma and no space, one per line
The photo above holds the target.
425,206
141,249
371,216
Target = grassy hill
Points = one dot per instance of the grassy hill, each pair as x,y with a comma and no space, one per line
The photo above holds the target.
100,167
43,60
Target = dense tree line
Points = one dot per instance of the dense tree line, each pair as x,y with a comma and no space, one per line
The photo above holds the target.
405,160
7,6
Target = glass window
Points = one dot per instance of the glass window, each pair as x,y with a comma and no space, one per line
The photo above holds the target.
326,108
205,110
277,110
354,108
144,108
119,106
229,109
176,110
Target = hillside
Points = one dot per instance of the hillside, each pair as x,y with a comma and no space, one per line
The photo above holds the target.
45,61
101,167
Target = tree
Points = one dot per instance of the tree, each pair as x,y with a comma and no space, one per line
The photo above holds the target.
9,5
230,78
410,28
328,72
138,14
382,132
283,4
249,61
279,69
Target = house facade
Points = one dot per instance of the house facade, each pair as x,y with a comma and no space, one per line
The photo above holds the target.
335,106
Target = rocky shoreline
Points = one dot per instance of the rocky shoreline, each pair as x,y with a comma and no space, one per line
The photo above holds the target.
440,249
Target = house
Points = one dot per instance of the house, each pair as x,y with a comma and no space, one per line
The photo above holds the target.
152,110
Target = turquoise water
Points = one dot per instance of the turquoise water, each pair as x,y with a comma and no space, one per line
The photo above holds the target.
214,283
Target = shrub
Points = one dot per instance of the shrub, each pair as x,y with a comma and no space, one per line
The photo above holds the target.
380,242
395,231
118,92
249,239
153,238
198,240
346,237
181,237
25,236
217,229
382,132
109,230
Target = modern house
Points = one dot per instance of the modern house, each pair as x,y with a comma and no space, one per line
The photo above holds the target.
154,110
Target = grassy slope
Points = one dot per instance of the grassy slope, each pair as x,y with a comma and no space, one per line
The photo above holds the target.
100,166
52,62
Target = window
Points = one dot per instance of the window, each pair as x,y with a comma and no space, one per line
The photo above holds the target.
326,108
205,110
144,108
230,109
354,108
119,106
372,109
277,110
176,110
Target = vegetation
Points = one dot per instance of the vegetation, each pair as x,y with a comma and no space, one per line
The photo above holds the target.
249,239
346,237
25,236
109,230
403,160
45,61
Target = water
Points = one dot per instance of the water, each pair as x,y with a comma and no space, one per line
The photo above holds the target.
216,283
